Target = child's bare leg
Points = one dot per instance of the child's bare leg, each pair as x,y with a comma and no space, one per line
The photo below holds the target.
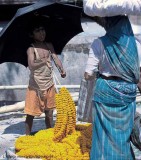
48,118
28,124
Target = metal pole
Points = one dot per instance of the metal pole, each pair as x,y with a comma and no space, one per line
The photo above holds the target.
25,87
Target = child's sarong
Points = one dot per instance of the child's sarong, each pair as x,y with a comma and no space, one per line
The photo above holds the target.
36,104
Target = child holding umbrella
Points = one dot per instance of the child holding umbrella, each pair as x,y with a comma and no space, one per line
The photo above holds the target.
40,96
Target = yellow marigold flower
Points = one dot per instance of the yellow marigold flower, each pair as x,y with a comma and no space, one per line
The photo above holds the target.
66,141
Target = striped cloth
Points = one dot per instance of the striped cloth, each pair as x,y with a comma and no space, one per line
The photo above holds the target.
114,100
121,49
114,109
136,133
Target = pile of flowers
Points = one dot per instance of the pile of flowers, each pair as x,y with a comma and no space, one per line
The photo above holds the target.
66,141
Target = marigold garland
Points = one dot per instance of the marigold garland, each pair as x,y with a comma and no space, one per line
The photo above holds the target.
66,141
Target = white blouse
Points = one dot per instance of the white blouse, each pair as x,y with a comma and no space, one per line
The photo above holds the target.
97,60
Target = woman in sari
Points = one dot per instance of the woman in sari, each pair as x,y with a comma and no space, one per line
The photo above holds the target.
115,57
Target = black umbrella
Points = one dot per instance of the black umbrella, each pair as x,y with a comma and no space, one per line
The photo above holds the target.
62,21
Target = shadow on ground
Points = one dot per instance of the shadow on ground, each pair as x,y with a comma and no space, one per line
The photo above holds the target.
19,128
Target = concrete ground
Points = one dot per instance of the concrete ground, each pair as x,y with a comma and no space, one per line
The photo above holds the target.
11,127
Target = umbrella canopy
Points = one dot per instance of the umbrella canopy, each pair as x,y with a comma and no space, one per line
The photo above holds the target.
62,22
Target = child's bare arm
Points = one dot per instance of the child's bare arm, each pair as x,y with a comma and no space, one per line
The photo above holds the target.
57,62
59,65
31,59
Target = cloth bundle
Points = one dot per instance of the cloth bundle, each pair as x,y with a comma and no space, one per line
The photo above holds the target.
108,8
84,109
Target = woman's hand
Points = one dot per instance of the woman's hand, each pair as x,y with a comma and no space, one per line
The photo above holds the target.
88,77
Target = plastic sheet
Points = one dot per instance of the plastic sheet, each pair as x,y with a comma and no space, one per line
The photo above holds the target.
10,155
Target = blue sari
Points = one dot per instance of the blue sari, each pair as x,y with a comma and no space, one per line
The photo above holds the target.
114,100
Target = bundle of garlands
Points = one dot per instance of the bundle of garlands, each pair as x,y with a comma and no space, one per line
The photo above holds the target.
66,141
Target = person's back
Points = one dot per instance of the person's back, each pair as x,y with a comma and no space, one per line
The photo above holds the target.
115,89
97,47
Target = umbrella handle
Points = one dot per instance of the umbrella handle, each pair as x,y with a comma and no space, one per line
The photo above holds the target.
55,62
56,80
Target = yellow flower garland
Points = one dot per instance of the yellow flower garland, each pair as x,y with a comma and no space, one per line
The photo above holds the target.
66,141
